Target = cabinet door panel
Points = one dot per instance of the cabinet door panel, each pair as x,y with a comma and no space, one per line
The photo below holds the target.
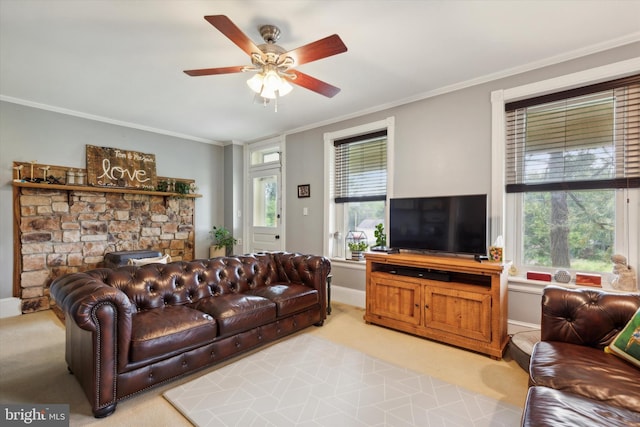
458,312
395,299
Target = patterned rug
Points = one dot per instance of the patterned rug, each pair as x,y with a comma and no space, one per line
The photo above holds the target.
309,381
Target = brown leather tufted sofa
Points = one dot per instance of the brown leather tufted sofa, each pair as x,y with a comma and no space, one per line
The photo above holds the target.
132,328
573,382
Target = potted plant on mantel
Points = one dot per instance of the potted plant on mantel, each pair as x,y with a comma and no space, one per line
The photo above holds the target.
223,242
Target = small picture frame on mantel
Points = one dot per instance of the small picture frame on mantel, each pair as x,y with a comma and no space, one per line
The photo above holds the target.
304,190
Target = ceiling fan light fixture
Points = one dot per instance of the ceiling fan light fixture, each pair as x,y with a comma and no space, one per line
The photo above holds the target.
269,84
268,93
285,87
255,82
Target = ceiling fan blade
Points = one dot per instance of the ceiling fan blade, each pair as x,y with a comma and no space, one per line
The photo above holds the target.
313,84
319,49
233,33
212,71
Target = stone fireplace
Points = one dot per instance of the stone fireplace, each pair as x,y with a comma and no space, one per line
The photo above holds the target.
59,230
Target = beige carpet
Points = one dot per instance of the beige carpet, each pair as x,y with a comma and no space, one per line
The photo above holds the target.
33,369
310,381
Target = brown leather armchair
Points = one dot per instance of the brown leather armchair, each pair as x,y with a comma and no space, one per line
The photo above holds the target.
573,381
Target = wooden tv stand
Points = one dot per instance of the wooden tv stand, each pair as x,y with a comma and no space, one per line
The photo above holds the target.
458,301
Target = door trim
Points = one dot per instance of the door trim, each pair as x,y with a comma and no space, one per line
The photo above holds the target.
248,148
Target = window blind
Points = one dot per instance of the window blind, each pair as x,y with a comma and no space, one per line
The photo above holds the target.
361,168
584,138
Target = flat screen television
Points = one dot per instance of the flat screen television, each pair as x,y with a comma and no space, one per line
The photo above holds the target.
451,224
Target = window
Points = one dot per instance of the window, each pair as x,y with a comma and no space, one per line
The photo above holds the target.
267,155
357,174
572,164
265,200
361,168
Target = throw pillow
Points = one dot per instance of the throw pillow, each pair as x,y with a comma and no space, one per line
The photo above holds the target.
156,260
627,343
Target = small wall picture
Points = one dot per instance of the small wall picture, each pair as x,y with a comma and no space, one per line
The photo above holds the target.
304,191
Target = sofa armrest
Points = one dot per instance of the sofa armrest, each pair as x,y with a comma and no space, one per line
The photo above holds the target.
588,317
309,270
96,307
98,321
79,294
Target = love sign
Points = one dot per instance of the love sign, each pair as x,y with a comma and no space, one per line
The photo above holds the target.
114,167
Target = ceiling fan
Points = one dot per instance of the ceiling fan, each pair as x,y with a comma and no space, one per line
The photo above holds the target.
272,63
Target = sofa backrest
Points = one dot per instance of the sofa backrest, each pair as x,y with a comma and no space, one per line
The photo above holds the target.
590,317
184,282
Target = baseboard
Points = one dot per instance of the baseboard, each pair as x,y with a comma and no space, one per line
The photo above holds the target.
348,296
10,307
516,326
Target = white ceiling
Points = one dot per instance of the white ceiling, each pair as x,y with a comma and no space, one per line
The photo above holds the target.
122,61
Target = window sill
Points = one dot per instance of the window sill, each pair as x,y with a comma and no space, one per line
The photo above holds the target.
522,284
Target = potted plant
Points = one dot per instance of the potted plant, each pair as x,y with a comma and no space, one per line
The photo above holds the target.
381,237
223,242
357,249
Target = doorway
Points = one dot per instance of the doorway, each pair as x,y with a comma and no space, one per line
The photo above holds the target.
265,226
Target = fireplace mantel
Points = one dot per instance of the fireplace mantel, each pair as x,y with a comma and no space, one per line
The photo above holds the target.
88,188
61,228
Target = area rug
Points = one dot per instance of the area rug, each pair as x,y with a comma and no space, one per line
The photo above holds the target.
309,381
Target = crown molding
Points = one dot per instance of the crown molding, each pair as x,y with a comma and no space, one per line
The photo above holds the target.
108,120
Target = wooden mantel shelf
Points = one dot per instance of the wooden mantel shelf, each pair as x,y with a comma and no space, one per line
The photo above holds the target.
65,187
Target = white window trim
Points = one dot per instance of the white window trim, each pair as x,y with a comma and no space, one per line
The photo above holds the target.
504,225
329,153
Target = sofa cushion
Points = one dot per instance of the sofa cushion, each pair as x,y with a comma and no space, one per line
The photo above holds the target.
166,330
586,371
546,407
238,312
289,297
627,343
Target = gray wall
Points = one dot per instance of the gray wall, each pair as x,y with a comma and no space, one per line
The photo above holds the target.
442,146
51,138
434,155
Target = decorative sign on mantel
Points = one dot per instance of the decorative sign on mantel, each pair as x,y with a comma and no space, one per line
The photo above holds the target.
113,167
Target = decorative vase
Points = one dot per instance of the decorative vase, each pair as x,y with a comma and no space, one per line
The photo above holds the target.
357,255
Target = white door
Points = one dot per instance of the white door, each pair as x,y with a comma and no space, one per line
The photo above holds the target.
265,222
265,211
